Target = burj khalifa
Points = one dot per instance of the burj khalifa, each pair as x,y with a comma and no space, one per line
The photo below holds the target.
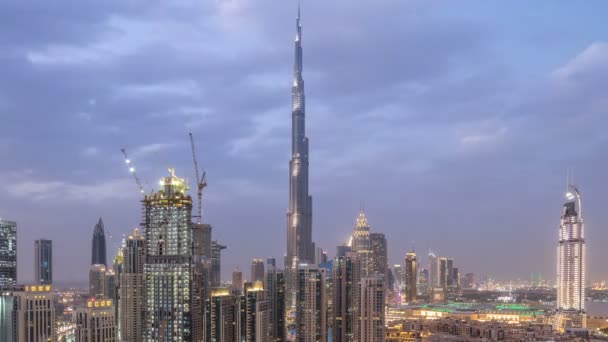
299,217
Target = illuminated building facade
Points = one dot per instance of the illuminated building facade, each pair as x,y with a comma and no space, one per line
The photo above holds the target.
275,288
98,255
168,266
32,311
43,261
372,309
8,253
255,313
311,304
571,257
343,300
96,322
411,276
257,270
132,300
299,216
225,316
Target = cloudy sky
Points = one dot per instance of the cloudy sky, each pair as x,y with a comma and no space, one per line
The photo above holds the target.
454,122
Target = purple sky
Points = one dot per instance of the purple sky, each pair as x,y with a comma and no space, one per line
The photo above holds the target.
455,122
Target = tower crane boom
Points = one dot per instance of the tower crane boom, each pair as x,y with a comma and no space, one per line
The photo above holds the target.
201,182
132,170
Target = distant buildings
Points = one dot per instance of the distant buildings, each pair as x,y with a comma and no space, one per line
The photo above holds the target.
168,266
8,253
98,255
237,282
411,276
97,281
43,261
311,304
257,270
216,263
95,322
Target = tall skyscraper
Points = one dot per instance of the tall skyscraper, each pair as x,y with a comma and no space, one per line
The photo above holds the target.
132,295
257,270
433,272
43,261
96,322
8,312
225,316
343,299
201,280
237,281
372,309
168,266
255,313
274,285
399,272
311,305
98,255
379,253
362,245
216,263
299,215
411,276
8,253
423,281
571,255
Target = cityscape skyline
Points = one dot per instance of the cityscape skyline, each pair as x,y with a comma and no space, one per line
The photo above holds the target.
476,184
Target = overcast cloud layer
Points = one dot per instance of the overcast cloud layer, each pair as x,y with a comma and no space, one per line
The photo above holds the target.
455,123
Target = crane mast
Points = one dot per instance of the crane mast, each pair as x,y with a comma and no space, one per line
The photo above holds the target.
132,170
201,182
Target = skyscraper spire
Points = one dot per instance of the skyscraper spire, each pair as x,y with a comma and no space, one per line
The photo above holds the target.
299,215
98,255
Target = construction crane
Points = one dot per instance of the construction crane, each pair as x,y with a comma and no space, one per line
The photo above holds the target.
201,182
132,170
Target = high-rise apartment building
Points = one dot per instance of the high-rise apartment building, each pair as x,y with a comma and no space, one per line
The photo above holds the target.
379,253
43,261
423,281
96,322
571,256
201,280
216,263
255,313
257,270
27,313
132,293
299,215
311,305
168,266
274,285
399,273
225,316
98,255
372,309
343,299
411,277
362,245
8,253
